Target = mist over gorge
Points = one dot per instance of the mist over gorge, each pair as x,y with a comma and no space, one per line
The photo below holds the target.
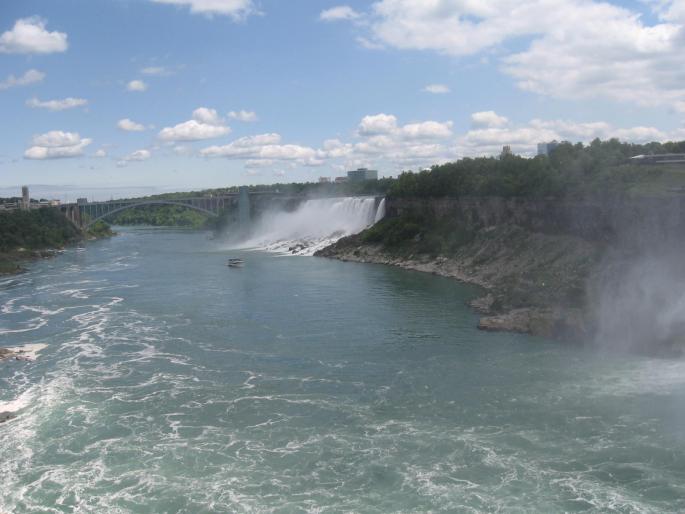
309,226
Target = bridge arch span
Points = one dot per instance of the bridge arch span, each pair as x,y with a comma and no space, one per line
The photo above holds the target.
147,202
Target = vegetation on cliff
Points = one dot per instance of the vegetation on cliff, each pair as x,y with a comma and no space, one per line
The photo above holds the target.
35,233
570,169
35,230
161,216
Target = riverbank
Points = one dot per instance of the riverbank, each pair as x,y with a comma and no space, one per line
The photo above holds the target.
533,283
13,262
548,266
26,236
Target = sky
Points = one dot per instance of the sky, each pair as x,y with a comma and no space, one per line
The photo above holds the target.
105,98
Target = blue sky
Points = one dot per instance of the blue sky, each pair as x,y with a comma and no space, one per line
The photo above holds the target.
323,86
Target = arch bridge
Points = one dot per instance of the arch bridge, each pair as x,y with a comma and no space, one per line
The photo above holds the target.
84,214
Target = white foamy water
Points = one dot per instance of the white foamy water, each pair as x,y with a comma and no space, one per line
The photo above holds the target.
314,225
171,384
28,351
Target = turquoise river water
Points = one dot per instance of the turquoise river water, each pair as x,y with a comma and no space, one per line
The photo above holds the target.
171,383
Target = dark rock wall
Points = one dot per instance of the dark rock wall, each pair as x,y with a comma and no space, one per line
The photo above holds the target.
613,219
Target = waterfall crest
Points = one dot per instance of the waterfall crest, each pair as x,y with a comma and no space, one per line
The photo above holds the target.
313,225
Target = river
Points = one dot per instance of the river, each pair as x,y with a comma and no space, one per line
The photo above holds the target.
171,383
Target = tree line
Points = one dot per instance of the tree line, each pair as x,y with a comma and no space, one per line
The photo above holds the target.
569,169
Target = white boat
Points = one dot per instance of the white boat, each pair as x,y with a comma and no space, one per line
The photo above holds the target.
235,263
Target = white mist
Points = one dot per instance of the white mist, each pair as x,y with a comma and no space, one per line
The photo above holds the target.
314,225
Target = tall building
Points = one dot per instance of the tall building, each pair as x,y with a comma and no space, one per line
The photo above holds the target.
547,148
361,174
25,198
506,151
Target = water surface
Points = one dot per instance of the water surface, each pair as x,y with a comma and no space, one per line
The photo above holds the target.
171,383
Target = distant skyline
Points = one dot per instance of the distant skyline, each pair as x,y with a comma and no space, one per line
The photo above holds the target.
144,96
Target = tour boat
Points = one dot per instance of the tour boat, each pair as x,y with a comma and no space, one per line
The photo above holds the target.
235,263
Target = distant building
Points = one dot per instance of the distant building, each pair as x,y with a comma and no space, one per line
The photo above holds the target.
340,180
361,174
547,148
324,180
659,159
81,201
506,151
25,198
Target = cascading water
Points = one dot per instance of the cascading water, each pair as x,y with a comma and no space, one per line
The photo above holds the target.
380,212
314,225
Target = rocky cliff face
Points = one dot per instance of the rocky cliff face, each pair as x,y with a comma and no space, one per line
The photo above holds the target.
610,218
546,264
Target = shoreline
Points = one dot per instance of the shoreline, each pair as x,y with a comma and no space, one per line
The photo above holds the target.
498,313
12,263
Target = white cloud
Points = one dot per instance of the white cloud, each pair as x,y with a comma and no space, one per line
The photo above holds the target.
57,105
57,138
377,124
236,9
262,148
383,140
205,124
30,77
488,119
386,124
100,153
158,71
436,89
341,12
29,36
244,116
523,139
130,125
56,144
138,155
207,116
565,48
369,44
334,148
427,130
136,85
192,130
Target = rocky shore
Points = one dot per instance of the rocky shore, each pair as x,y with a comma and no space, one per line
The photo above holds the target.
11,263
533,283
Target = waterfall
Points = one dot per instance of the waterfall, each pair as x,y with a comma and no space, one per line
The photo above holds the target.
313,225
380,212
